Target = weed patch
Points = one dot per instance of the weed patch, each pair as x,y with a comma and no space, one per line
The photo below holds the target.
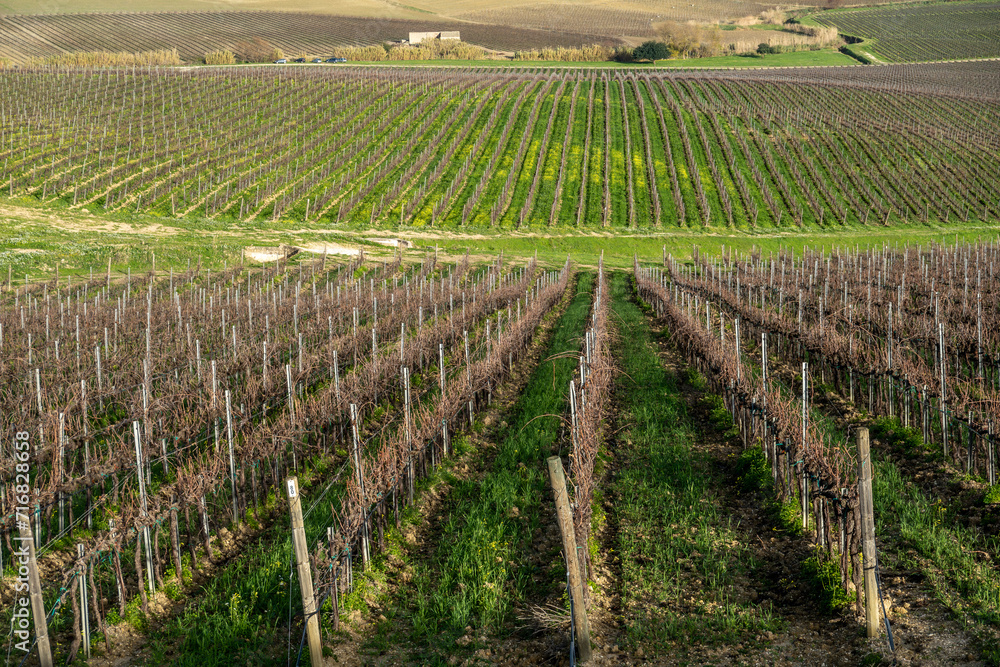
992,495
753,473
822,575
891,431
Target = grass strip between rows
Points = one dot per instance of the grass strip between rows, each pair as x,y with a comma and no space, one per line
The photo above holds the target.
478,569
678,552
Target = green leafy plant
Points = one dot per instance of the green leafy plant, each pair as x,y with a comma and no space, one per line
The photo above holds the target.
651,50
753,472
892,431
823,577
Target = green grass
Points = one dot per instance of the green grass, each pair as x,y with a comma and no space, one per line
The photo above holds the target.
822,575
477,570
237,618
36,239
679,554
793,59
892,432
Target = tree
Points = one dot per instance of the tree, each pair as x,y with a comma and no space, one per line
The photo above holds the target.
683,40
652,50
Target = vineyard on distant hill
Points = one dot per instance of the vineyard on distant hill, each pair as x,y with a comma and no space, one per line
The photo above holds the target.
949,31
506,150
195,33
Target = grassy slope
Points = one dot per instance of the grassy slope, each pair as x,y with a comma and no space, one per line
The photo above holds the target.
476,571
672,537
793,59
33,240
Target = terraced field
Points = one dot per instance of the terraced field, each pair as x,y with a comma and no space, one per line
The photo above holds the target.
936,31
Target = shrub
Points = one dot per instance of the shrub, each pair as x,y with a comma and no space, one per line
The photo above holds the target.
773,15
689,41
892,431
220,57
435,49
109,59
651,50
719,416
592,53
766,49
623,55
752,469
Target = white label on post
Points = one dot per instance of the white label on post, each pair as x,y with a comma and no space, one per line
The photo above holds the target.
291,488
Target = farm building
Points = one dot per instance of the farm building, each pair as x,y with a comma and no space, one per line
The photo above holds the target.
417,37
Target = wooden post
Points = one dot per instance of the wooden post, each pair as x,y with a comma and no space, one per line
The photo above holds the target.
565,518
291,397
410,466
444,437
356,455
468,368
175,541
84,612
970,441
805,434
203,511
305,572
336,375
944,391
62,448
441,368
35,591
572,414
990,463
142,497
867,510
232,459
